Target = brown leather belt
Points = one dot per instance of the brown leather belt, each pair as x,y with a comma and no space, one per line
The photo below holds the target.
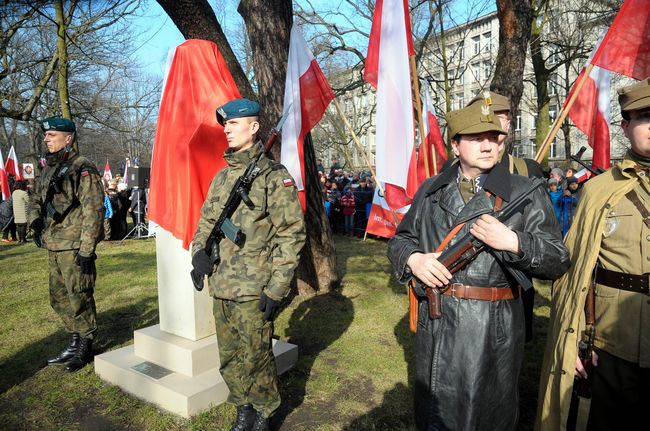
463,291
623,281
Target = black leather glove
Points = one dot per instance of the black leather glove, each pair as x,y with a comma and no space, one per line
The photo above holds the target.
202,266
37,227
87,263
269,306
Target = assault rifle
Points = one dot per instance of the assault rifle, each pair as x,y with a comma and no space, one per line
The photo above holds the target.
466,249
224,227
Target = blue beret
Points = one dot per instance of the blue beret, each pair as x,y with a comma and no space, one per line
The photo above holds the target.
236,109
59,124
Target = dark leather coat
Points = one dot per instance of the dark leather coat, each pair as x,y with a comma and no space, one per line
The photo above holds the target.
468,362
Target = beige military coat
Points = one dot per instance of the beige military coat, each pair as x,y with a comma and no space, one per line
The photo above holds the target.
570,291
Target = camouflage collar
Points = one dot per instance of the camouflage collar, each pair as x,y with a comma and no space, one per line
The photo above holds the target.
242,158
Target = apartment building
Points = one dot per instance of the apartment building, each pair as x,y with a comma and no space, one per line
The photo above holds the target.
469,60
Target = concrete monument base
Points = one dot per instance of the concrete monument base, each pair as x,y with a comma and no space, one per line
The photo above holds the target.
177,374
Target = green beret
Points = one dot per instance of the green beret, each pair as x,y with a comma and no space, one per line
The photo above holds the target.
58,124
236,109
636,96
476,118
497,101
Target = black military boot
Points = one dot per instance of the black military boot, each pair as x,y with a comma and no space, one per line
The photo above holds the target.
261,423
83,356
245,418
67,353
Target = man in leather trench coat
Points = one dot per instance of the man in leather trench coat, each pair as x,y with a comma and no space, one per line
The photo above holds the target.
468,361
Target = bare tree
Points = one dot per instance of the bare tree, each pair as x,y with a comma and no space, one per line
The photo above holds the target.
562,35
268,25
514,33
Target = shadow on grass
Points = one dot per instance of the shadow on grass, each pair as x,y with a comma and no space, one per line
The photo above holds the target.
116,327
313,326
396,409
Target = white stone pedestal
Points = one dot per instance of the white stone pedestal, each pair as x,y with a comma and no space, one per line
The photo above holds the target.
176,364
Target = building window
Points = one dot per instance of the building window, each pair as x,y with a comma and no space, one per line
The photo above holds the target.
487,70
461,100
552,112
552,85
487,41
553,54
477,44
553,152
461,51
451,74
518,122
458,75
476,69
534,126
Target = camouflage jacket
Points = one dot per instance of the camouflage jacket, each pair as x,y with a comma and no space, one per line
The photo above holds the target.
81,201
274,230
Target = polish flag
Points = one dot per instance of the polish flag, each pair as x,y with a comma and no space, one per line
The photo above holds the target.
591,112
387,70
308,93
108,175
625,48
12,167
381,221
433,139
4,179
582,175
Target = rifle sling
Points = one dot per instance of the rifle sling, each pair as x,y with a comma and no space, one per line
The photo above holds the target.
62,172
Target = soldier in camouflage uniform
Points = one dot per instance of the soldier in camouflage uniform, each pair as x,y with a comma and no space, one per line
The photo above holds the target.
66,215
250,281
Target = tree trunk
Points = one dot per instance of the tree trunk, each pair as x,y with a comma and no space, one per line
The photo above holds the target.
514,33
542,75
268,24
195,19
62,50
317,268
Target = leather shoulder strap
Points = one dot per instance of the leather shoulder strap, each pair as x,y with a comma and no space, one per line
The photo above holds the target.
636,201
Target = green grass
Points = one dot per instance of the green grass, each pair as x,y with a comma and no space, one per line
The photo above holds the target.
353,372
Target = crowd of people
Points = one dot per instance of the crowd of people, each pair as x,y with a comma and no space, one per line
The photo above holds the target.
347,197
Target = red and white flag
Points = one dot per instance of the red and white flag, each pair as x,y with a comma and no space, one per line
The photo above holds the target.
387,70
12,167
582,175
591,112
381,221
625,48
432,140
108,175
4,179
308,93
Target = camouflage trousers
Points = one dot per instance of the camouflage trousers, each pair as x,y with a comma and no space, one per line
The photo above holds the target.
71,293
245,350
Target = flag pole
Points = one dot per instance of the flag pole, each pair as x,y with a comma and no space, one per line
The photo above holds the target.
362,151
418,107
562,116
